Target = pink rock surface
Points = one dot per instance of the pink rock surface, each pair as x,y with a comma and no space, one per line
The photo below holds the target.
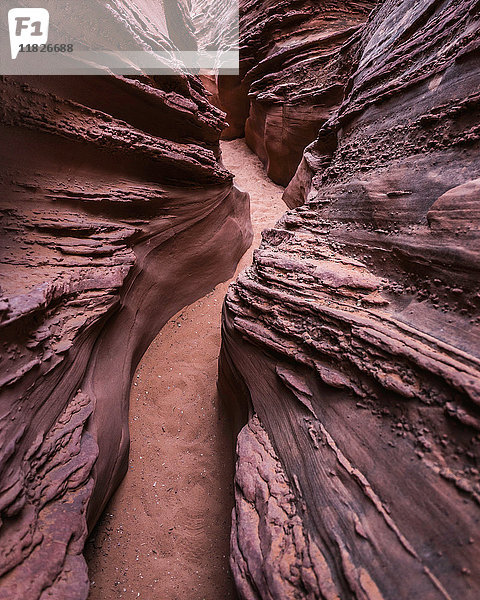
292,76
351,346
114,209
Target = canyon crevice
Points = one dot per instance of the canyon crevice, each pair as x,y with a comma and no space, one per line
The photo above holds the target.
294,67
350,355
166,531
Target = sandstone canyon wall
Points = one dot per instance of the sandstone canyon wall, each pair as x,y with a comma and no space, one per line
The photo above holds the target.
116,212
351,346
293,71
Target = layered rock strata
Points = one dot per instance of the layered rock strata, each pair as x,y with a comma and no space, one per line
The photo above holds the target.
292,76
116,212
351,346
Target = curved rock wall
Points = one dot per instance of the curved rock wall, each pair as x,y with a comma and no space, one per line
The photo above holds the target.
352,344
292,76
114,209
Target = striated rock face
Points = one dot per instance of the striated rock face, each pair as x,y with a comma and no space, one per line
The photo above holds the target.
293,73
114,211
352,344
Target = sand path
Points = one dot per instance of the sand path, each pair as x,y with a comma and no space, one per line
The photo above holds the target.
165,534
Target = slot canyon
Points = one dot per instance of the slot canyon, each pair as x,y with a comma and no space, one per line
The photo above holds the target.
240,314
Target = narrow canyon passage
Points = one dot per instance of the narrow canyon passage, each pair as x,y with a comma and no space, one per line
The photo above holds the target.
165,534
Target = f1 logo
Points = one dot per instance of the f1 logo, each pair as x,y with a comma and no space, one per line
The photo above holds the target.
27,26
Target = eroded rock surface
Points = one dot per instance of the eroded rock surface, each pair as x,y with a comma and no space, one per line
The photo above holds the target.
352,344
292,75
115,213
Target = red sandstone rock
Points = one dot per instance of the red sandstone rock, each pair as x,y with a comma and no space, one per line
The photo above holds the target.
292,76
351,345
116,213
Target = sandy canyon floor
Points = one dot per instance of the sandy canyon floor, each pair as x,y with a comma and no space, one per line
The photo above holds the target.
165,533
